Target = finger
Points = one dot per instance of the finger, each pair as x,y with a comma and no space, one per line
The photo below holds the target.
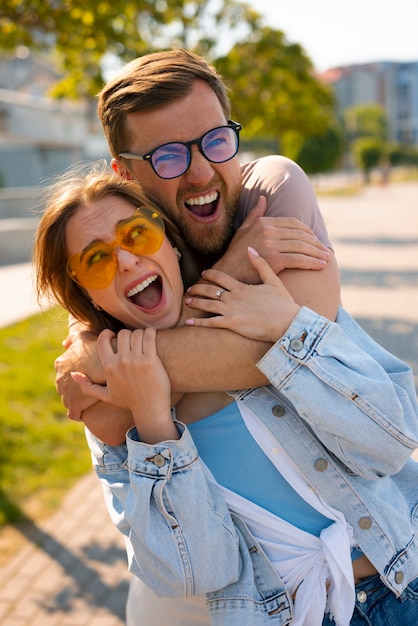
208,322
99,392
222,280
142,341
258,211
105,344
124,339
205,304
294,228
149,341
267,275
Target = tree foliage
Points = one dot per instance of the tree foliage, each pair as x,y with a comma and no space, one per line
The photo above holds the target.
366,120
321,153
274,92
273,89
368,153
80,35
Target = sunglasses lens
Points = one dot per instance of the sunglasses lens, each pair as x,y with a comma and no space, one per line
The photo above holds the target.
94,268
141,234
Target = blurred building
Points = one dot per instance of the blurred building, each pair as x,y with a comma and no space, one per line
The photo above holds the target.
41,136
393,85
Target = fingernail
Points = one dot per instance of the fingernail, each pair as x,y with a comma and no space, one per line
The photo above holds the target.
252,251
189,322
187,300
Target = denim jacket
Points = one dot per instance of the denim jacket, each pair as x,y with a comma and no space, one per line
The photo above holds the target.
344,410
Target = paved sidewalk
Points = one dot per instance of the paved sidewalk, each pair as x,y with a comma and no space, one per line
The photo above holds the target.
71,571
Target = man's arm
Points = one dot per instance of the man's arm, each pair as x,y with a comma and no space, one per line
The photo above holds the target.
220,360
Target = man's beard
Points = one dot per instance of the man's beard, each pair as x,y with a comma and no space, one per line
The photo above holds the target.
212,240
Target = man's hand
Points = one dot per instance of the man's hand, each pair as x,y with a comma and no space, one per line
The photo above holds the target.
81,355
284,242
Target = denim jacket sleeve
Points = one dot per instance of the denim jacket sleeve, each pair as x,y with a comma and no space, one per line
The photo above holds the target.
358,399
181,538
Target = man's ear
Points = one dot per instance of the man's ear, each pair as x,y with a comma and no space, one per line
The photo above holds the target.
119,169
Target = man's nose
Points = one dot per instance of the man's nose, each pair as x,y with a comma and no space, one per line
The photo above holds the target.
200,171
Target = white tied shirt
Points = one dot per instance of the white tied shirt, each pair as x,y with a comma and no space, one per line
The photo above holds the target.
317,571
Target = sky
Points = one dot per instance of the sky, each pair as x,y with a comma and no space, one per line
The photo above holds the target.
337,32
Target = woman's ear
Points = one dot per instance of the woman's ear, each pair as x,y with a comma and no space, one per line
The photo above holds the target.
177,253
119,169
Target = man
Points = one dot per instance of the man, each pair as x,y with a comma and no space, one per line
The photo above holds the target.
147,111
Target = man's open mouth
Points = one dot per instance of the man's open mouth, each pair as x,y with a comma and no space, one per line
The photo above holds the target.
203,206
147,294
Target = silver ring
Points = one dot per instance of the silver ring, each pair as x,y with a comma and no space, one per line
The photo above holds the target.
219,292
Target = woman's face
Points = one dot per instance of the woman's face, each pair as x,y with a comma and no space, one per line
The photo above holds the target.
146,290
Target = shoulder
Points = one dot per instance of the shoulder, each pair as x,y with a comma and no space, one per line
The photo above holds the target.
269,172
288,191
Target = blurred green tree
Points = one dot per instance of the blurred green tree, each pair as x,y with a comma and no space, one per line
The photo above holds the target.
81,36
274,91
322,152
366,120
368,153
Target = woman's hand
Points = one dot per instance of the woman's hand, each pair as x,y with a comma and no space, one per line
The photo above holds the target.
135,379
262,312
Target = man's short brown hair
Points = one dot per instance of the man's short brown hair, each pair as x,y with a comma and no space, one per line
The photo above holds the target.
151,81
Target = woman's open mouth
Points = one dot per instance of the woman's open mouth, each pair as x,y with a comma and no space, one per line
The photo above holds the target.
147,294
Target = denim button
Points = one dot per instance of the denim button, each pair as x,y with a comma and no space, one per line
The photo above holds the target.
399,577
365,523
296,345
362,597
321,465
278,411
159,460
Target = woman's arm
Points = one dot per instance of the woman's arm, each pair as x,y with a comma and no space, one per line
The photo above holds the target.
359,400
174,520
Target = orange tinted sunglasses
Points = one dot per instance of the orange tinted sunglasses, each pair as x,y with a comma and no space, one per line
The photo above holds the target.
95,267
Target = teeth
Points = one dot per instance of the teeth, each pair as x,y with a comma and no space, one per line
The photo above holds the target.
210,197
141,286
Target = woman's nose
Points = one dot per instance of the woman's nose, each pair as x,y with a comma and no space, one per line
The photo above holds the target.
126,260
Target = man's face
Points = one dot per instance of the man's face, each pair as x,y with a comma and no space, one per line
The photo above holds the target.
203,201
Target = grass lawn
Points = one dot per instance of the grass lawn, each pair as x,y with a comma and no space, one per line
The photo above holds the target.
42,453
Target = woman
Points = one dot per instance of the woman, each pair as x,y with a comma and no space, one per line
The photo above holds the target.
310,490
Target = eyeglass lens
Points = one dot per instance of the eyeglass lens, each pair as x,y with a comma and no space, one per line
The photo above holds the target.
96,266
217,145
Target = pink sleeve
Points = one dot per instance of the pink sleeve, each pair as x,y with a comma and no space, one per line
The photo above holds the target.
288,190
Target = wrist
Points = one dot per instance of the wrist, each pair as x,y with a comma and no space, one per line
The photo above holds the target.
286,319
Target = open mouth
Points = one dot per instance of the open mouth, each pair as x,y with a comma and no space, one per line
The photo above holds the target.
147,294
203,206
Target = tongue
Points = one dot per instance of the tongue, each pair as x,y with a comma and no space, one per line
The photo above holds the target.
202,210
149,297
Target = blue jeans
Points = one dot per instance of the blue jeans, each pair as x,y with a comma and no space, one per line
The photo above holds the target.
380,607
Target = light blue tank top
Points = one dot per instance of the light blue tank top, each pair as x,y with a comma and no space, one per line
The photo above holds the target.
238,463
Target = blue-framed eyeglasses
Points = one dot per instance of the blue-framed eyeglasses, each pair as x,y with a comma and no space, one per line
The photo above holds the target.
171,160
